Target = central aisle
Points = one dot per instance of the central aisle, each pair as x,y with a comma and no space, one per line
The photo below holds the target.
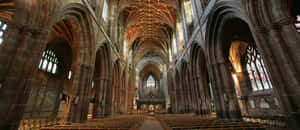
151,123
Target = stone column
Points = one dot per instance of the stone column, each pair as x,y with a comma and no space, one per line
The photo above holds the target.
108,97
179,95
276,38
233,106
283,69
105,86
80,99
99,96
21,52
218,92
244,84
201,94
205,93
197,94
193,92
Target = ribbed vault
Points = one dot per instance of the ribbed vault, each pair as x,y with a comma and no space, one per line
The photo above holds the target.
150,69
149,24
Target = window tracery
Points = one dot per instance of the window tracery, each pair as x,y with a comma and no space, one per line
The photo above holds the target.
150,82
49,62
257,72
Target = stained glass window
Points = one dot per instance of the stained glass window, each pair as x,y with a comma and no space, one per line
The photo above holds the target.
49,62
297,24
150,82
257,72
3,27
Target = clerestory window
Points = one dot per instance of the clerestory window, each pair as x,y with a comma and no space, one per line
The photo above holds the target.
105,11
188,9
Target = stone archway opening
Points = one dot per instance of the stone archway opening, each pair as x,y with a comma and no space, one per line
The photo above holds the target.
49,98
99,84
245,63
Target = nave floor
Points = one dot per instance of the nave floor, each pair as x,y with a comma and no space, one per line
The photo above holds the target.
160,122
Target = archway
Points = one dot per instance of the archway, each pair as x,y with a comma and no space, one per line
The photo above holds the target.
204,97
115,97
100,81
216,48
151,97
49,96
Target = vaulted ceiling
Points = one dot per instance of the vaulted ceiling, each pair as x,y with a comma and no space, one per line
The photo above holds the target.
149,24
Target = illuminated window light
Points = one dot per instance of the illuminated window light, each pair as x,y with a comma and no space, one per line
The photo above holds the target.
189,14
54,69
297,24
48,62
150,82
125,48
70,75
105,11
3,28
235,78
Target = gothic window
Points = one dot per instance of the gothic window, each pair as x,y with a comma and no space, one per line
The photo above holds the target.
105,11
188,9
49,62
3,27
257,71
150,82
93,84
297,24
70,75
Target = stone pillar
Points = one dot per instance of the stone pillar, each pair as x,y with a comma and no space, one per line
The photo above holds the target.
244,84
205,93
179,96
278,42
21,52
193,93
234,109
80,99
189,92
197,97
184,92
175,105
113,97
202,96
108,97
105,86
99,96
218,92
283,69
